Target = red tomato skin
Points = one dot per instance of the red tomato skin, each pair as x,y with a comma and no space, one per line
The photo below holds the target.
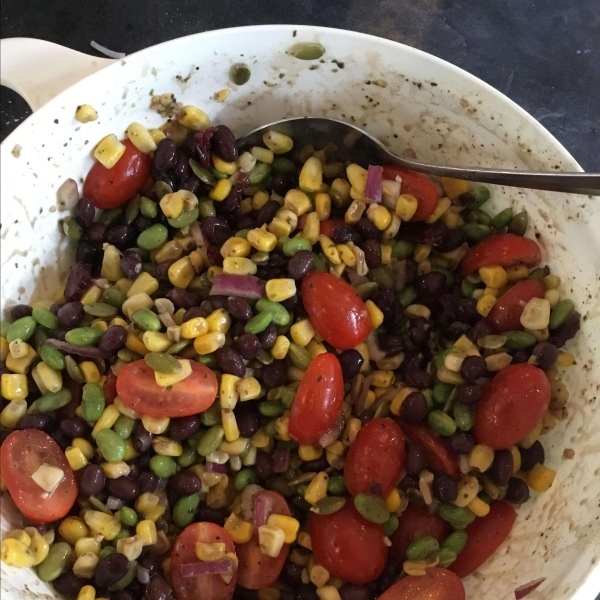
436,584
375,460
504,249
417,185
318,401
255,570
137,389
336,310
486,534
203,587
438,457
328,226
109,188
110,387
506,312
349,546
414,522
513,403
20,458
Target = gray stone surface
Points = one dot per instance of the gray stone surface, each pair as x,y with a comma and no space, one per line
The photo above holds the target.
544,54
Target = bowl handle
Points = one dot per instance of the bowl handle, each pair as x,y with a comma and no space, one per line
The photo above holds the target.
40,70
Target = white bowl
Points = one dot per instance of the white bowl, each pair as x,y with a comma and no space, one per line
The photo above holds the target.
405,97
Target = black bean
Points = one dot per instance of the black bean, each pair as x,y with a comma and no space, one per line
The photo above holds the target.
70,314
78,281
386,302
214,256
431,284
291,573
355,592
390,573
41,422
248,419
182,167
218,302
267,213
300,264
419,331
142,439
141,223
444,487
191,183
162,270
87,252
414,408
113,339
183,298
148,482
268,336
467,393
415,459
122,488
466,311
60,438
263,466
158,589
216,230
91,480
165,156
305,591
85,211
435,233
275,374
367,230
230,361
520,356
150,563
55,308
126,595
212,515
343,234
96,233
408,482
502,467
238,308
351,362
372,251
532,456
282,183
480,329
248,345
182,428
454,239
473,368
460,443
131,264
121,236
73,427
316,465
417,378
185,483
566,331
195,311
224,144
20,310
546,355
68,585
517,491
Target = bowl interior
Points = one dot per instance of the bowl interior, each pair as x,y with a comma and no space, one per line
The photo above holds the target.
409,100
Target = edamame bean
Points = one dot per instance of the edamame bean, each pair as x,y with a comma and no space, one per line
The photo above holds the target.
211,416
145,319
163,466
83,336
476,231
153,237
55,563
281,164
402,249
279,484
560,313
106,551
127,580
52,357
407,296
516,340
186,218
162,362
114,296
72,229
336,485
479,216
445,557
73,369
329,505
288,394
211,440
258,322
456,541
502,219
92,402
518,224
442,390
441,423
100,310
111,445
244,478
187,457
438,363
467,287
21,329
129,517
259,173
449,274
481,195
124,426
390,526
320,264
185,509
457,516
177,347
124,532
45,318
299,356
280,314
272,408
309,51
4,328
422,547
294,245
383,277
53,400
538,274
372,508
148,208
207,209
463,417
270,428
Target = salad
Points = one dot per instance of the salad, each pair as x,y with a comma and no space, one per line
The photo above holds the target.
272,375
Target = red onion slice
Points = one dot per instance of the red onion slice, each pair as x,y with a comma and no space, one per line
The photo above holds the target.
143,575
243,286
281,460
217,567
216,467
527,588
262,510
85,351
390,190
198,234
333,433
373,186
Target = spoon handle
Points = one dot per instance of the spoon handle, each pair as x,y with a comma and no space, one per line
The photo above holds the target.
575,183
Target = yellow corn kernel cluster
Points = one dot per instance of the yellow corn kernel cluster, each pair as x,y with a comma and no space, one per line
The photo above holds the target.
148,504
380,216
289,525
271,540
248,388
14,386
146,531
453,188
109,150
166,447
16,554
140,137
346,254
230,425
317,488
262,240
239,266
102,524
239,530
479,507
228,393
220,190
357,176
485,304
329,250
280,348
406,207
87,545
194,328
21,365
209,343
493,276
278,143
311,175
393,500
85,565
481,457
76,458
193,118
86,113
279,290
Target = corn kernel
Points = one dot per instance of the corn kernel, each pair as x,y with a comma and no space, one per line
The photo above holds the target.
311,175
193,118
493,276
85,565
218,321
194,328
531,437
228,393
114,470
87,545
364,352
302,332
86,113
278,143
417,310
279,290
380,216
21,536
485,304
12,413
146,531
240,531
90,371
328,592
271,540
169,251
131,546
393,500
269,593
20,366
73,529
221,190
443,205
144,282
166,447
386,254
230,426
282,427
479,507
453,188
297,201
318,575
375,314
260,439
406,207
86,448
76,458
357,176
155,341
16,554
87,592
280,348
315,348
262,240
229,168
235,247
140,137
141,300
38,545
540,478
109,150
169,379
248,388
517,272
181,272
259,200
289,525
323,206
536,314
134,343
310,451
451,218
210,342
262,154
157,135
329,250
210,551
14,386
383,379
239,266
312,228
279,228
565,359
317,488
4,348
107,419
481,458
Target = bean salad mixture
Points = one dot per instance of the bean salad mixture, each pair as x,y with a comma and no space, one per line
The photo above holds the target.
275,375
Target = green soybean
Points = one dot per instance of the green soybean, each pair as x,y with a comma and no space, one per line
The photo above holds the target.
467,287
4,328
53,400
372,508
240,73
162,362
258,322
309,51
124,426
195,438
390,526
476,231
481,195
259,173
299,356
281,164
45,318
279,484
456,541
442,391
449,274
111,445
445,557
148,208
163,466
21,329
294,245
367,289
407,296
383,277
129,517
207,209
83,336
100,310
463,417
515,340
72,229
518,224
211,416
288,394
73,369
270,428
127,579
457,516
502,219
281,315
329,505
92,402
243,478
187,217
441,423
438,363
55,562
211,440
111,216
187,457
52,357
479,216
538,274
185,509
336,485
272,408
145,319
402,249
560,313
428,397
320,263
422,547
124,532
107,551
153,237
114,296
128,356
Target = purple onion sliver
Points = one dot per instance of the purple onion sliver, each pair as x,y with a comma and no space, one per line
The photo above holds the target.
281,460
78,282
262,510
216,567
143,575
202,145
216,467
527,588
243,286
373,186
333,433
85,351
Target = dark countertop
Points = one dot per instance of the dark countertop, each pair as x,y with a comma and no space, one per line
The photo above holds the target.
545,55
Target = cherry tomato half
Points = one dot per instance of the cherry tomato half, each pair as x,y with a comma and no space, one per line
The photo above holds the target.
512,404
328,226
110,387
417,185
318,401
506,312
137,389
202,587
438,457
485,536
504,249
22,453
415,522
376,458
336,310
256,570
349,546
436,584
109,188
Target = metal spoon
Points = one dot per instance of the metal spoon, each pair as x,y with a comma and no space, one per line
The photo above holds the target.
358,146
